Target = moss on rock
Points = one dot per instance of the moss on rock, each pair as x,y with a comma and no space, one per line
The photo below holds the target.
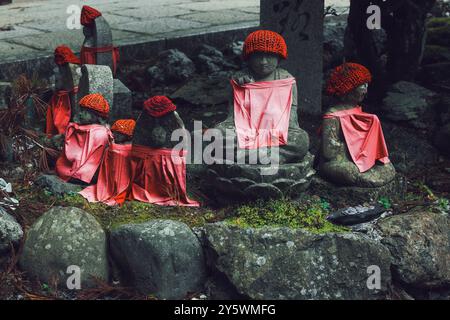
310,214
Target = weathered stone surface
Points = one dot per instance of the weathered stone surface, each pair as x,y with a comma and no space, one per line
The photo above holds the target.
160,257
122,102
10,231
333,42
95,79
173,66
283,263
204,91
55,185
64,237
239,182
407,156
103,38
407,101
356,195
210,60
301,25
420,246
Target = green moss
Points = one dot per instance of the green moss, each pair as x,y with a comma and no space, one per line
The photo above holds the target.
439,31
310,215
111,217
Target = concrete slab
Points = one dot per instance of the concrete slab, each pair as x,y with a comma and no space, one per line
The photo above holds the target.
214,5
153,12
14,51
162,25
221,17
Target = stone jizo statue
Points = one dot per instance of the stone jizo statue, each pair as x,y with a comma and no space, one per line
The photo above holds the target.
353,150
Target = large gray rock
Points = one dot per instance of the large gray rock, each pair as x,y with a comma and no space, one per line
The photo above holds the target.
10,231
420,246
64,237
56,185
173,66
407,101
283,263
161,257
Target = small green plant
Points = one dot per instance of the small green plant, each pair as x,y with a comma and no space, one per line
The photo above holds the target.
442,205
385,202
310,214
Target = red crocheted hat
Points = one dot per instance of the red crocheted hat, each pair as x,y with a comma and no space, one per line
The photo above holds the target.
64,54
265,41
347,77
96,102
124,126
88,15
159,106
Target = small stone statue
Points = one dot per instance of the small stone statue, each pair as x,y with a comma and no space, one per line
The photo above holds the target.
159,167
113,184
97,46
67,77
353,151
255,119
85,141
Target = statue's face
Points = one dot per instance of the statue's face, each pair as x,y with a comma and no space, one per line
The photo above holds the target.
87,117
358,94
120,137
263,64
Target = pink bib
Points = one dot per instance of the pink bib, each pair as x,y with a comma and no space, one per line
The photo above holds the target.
364,137
261,112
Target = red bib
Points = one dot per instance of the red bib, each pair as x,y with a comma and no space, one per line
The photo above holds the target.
114,177
159,177
364,137
84,147
59,112
88,55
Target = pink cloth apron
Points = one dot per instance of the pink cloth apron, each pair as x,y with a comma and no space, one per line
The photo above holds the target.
261,112
159,177
364,137
84,147
114,177
59,112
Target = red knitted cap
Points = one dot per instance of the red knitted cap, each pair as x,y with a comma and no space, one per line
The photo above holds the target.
124,126
88,15
64,54
159,106
347,77
96,102
265,41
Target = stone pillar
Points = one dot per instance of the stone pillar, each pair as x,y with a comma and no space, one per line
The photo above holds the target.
122,102
301,24
103,38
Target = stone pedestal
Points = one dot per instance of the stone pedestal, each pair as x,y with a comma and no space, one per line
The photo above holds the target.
356,195
300,22
239,182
